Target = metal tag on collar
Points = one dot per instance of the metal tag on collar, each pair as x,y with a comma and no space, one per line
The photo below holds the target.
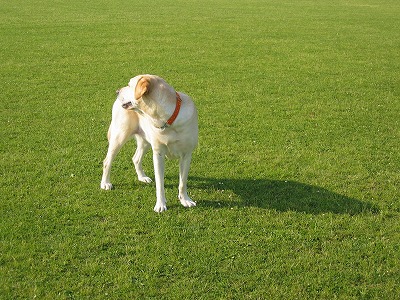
166,125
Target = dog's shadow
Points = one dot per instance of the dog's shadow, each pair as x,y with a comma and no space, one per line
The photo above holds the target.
278,195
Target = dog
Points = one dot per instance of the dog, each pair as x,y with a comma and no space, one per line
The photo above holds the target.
152,112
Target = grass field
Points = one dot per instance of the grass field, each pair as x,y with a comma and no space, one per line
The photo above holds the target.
296,176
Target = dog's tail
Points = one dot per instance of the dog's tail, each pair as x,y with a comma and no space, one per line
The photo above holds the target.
109,133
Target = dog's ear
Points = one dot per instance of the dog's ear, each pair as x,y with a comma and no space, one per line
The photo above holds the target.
142,87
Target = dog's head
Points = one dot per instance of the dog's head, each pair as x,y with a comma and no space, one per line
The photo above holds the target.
126,95
141,85
131,95
152,88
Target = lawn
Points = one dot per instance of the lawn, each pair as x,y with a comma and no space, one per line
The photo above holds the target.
296,176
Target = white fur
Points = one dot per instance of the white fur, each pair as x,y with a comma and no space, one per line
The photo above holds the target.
143,121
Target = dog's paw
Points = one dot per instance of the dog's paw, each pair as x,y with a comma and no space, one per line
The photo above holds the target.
160,207
187,202
145,179
106,186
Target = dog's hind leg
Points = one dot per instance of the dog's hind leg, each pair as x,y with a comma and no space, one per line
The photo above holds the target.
142,147
116,141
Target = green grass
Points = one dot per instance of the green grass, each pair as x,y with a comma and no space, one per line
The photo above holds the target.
296,176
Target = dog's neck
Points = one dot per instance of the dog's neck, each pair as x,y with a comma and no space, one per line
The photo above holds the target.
161,112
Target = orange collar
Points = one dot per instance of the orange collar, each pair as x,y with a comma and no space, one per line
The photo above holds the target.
176,112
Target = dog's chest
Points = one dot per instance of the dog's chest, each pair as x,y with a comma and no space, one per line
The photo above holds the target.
174,142
174,145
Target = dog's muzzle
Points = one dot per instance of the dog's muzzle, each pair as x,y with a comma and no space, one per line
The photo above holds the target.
130,105
127,105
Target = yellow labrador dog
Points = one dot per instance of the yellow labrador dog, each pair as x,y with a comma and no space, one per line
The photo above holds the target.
152,112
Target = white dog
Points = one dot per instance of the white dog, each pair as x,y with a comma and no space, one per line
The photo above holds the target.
150,110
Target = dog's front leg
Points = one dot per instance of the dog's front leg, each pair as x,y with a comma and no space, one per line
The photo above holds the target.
184,166
159,167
